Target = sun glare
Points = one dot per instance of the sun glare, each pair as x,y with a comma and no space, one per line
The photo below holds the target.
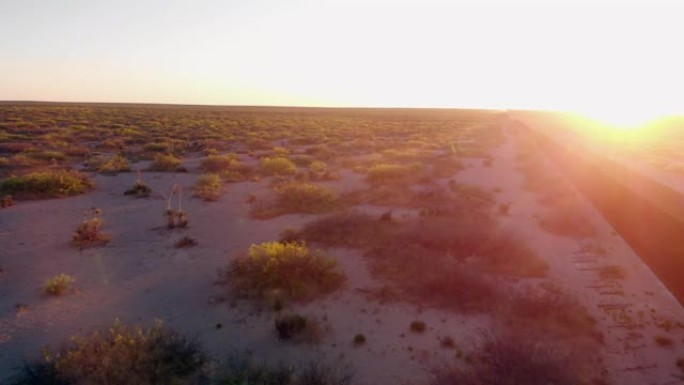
625,119
624,124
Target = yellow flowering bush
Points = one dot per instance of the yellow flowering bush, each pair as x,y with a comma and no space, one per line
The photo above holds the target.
291,269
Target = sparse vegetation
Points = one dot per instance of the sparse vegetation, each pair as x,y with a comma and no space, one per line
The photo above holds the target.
435,245
46,184
58,284
288,268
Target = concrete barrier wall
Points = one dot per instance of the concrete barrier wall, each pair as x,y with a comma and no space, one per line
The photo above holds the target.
647,214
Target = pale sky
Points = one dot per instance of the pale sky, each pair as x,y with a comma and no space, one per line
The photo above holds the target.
587,56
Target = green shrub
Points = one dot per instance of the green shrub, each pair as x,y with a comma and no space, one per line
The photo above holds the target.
46,184
166,162
58,284
119,355
417,326
89,232
291,269
208,187
277,166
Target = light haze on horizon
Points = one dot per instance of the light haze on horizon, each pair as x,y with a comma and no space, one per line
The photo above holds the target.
606,57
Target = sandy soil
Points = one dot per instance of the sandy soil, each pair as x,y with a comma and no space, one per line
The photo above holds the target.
140,276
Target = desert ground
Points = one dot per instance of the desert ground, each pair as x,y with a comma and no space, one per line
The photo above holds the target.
453,220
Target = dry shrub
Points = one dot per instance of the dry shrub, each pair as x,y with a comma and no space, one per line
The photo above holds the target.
438,282
349,229
208,187
120,355
218,163
89,231
114,164
298,329
166,162
140,190
475,238
546,309
297,197
185,243
510,360
58,284
392,173
277,166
